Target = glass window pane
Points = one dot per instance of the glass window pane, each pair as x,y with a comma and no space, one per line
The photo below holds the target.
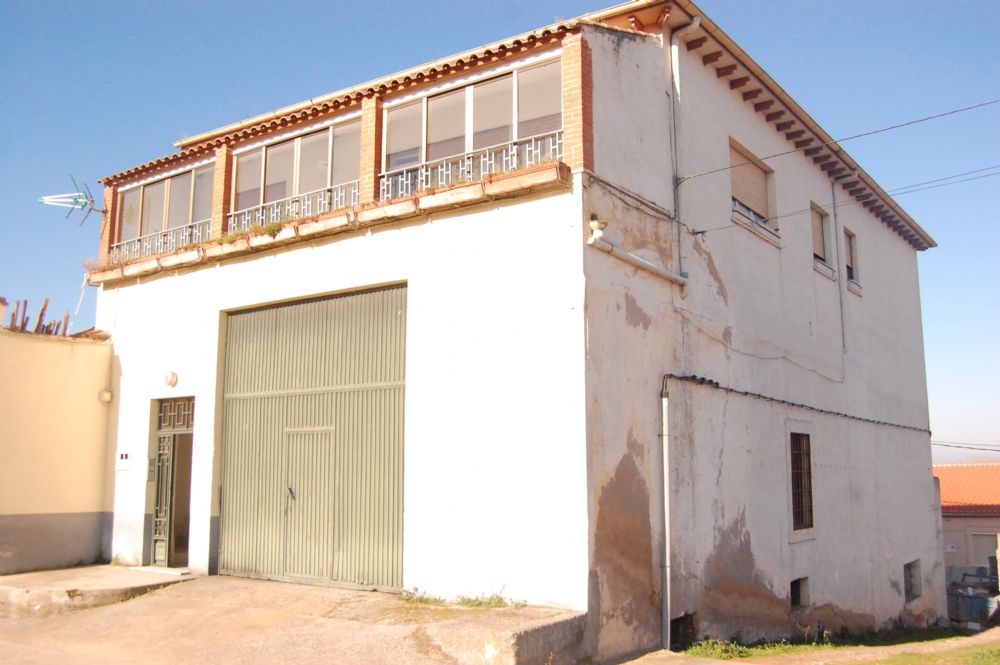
129,204
492,112
203,182
404,136
446,125
347,152
278,171
248,180
539,100
152,207
314,161
179,211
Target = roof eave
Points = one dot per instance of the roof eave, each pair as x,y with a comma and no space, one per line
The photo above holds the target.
726,42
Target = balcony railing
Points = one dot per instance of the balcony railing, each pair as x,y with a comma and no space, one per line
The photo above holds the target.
161,242
471,166
295,207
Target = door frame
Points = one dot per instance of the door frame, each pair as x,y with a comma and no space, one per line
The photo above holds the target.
171,417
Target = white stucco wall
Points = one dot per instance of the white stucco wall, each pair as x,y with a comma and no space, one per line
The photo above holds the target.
761,318
756,316
495,467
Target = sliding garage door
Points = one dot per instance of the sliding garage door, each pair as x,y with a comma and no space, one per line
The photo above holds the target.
312,481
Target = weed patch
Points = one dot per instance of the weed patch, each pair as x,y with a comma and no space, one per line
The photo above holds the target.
493,601
418,597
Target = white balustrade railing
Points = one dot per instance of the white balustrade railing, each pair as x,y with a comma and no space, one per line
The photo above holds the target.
295,207
161,242
471,166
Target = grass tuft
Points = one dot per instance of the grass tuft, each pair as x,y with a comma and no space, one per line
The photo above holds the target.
417,597
493,601
728,650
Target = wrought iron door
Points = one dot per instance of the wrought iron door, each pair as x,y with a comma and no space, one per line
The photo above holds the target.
175,417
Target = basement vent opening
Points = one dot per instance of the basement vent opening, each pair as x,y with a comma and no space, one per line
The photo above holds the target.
798,593
682,632
911,580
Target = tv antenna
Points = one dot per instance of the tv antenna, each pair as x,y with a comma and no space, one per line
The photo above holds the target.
81,199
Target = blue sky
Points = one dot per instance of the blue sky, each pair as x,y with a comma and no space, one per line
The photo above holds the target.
90,89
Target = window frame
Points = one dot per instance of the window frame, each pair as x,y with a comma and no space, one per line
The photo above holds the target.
824,226
912,586
802,495
741,208
296,139
468,86
851,271
166,179
798,593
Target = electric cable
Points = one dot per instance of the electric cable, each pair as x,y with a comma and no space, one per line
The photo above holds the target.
846,138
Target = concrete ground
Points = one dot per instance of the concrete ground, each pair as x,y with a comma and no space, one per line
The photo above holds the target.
48,592
234,620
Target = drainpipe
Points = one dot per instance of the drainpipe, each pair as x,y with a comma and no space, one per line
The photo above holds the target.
675,95
665,485
837,234
675,107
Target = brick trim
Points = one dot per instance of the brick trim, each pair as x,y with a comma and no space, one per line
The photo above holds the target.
371,149
578,103
222,184
109,223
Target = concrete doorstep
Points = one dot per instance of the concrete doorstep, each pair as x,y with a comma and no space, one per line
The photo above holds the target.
223,620
49,592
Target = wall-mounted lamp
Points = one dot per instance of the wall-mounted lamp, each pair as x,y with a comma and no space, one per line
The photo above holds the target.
170,379
105,396
597,226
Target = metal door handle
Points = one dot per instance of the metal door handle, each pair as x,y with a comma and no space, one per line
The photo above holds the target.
291,493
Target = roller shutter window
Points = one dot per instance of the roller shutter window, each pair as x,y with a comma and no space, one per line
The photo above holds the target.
749,182
819,234
850,249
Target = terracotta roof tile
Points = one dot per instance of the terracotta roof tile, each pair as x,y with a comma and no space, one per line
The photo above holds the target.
969,489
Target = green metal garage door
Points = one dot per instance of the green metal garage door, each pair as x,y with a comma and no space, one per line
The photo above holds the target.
312,480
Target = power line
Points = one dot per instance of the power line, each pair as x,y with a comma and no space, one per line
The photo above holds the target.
944,184
957,175
975,448
900,191
966,443
847,138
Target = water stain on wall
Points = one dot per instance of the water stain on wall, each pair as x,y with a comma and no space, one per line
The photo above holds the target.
626,609
713,270
737,601
635,315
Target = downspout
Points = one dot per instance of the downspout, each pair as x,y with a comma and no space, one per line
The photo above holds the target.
837,234
676,126
675,63
665,484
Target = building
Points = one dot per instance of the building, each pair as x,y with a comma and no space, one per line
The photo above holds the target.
545,318
43,376
970,512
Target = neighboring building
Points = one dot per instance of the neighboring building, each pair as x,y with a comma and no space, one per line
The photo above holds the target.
970,512
445,330
55,457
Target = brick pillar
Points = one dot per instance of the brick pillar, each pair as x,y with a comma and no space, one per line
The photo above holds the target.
222,183
371,149
109,224
578,103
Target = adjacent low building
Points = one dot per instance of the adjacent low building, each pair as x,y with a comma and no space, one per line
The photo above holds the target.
546,318
970,511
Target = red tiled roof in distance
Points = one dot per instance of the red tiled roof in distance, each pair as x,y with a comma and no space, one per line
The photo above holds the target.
969,490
